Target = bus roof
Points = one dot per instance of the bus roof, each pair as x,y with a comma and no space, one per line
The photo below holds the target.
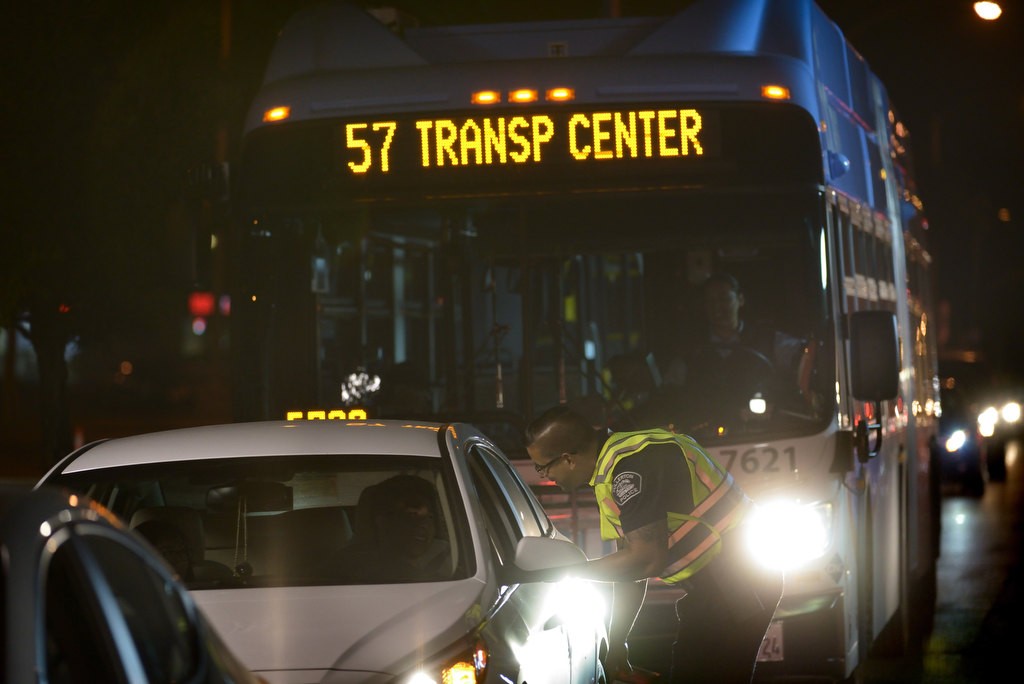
341,49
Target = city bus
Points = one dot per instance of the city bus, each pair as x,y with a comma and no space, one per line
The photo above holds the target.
485,221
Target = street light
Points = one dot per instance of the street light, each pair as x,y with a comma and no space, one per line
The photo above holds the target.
989,11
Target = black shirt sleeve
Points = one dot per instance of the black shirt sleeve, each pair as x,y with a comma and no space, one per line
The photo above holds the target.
649,484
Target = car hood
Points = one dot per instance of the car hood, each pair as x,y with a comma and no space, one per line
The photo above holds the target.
365,628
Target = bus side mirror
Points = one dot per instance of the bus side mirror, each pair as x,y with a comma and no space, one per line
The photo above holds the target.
874,372
874,355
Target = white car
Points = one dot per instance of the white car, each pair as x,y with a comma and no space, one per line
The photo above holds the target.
369,551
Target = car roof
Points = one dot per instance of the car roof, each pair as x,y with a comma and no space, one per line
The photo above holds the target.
264,438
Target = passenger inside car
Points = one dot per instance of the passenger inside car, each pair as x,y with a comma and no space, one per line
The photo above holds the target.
166,538
177,533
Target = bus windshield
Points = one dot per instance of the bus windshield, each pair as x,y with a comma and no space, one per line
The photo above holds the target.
601,300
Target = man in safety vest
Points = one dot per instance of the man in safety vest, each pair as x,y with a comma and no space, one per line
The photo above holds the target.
674,513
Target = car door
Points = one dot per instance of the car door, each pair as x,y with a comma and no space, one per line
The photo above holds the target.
556,649
111,612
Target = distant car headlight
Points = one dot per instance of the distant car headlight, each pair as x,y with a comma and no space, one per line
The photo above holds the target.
987,420
1010,413
466,665
956,440
786,535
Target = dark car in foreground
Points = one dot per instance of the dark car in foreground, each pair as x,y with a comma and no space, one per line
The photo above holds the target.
85,600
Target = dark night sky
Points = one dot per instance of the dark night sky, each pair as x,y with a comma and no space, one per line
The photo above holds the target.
959,83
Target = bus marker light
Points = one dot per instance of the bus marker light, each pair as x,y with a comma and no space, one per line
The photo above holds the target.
276,114
485,97
774,92
522,95
560,94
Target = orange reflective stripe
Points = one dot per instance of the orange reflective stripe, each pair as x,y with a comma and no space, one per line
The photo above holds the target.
724,489
609,516
681,531
690,558
610,505
705,479
707,469
720,524
714,497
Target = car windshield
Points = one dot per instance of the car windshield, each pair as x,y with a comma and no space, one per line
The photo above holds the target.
248,522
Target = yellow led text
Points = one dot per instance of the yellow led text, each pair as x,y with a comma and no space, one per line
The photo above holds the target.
332,414
355,138
648,133
526,139
484,142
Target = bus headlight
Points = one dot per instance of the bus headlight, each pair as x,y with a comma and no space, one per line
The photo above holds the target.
786,535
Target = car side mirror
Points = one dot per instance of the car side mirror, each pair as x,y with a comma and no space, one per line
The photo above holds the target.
543,553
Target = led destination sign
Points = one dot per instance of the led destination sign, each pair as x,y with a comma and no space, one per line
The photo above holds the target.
381,146
543,150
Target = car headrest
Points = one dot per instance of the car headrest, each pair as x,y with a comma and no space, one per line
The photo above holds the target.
187,520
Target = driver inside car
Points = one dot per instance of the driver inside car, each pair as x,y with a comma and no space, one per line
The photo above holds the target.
397,535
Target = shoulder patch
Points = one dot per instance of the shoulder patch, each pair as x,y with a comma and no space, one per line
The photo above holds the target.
625,486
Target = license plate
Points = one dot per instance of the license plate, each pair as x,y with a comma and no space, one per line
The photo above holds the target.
771,646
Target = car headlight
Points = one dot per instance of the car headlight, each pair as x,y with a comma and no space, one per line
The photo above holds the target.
576,602
987,420
785,534
1010,413
465,665
956,440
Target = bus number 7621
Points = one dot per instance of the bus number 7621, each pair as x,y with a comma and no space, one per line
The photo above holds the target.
768,459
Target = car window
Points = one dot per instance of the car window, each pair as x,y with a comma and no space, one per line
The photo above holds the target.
511,510
76,650
152,608
502,525
96,570
294,521
532,518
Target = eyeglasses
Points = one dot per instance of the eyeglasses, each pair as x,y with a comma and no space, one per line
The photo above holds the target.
542,470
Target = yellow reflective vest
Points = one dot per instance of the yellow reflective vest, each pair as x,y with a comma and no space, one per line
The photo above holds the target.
694,537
